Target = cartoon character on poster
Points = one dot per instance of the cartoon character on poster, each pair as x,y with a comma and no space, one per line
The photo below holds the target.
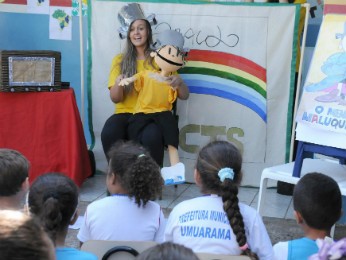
156,98
333,86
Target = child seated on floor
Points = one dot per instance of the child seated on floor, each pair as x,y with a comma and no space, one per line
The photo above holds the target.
167,250
217,222
317,207
22,237
53,198
14,179
133,180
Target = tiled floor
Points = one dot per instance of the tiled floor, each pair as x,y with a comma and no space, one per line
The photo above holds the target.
276,205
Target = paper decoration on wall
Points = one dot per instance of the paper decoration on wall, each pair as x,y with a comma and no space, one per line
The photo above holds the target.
38,6
65,3
17,2
75,7
60,23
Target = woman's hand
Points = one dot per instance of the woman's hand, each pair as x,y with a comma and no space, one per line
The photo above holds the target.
178,84
117,92
118,79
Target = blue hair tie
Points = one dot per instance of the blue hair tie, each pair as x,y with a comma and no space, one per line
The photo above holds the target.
226,173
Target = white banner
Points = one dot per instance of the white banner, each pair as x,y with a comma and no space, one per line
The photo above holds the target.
238,71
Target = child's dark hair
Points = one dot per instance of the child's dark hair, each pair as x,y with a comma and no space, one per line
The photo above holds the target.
212,158
139,174
22,237
169,251
317,198
53,198
14,169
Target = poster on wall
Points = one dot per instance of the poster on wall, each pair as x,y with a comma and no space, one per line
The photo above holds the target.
75,7
60,23
38,6
65,3
323,103
42,6
16,2
238,71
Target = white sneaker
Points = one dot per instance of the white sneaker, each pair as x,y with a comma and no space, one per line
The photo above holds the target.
174,174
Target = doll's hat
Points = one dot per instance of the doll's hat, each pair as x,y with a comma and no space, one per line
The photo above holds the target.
170,37
129,13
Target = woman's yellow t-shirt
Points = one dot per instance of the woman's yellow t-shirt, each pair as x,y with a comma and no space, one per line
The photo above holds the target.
130,99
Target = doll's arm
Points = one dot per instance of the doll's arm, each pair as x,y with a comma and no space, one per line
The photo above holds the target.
127,81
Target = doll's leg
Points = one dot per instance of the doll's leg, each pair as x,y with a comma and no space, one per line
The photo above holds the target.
174,174
173,155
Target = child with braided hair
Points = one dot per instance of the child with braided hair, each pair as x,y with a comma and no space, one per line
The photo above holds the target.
133,180
53,198
216,222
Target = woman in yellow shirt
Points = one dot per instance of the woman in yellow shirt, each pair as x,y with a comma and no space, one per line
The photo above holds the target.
135,58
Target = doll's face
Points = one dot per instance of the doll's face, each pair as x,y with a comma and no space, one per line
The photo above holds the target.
169,58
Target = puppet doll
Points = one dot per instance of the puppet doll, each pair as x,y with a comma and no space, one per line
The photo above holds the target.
156,98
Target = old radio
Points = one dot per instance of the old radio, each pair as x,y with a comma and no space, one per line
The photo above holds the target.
30,71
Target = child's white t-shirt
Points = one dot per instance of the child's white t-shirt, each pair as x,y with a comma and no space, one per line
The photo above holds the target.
120,218
202,225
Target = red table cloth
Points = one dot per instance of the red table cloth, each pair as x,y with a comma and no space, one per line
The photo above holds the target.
46,128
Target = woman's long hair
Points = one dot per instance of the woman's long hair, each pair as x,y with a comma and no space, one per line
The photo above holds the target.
211,159
128,65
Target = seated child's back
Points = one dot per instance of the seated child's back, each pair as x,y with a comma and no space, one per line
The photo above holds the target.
53,198
317,207
127,214
216,222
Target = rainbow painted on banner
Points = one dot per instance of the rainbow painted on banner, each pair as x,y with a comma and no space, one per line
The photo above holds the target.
227,76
